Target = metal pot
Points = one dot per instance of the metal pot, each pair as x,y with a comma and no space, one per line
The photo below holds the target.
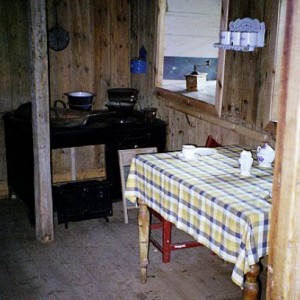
149,113
63,117
80,98
83,107
120,106
122,95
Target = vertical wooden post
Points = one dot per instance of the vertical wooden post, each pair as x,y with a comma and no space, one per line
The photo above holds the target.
284,263
73,163
40,122
160,43
221,59
144,221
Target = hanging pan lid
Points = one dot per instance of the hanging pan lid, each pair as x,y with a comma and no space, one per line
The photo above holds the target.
58,38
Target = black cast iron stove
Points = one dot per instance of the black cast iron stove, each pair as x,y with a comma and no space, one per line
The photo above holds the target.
79,200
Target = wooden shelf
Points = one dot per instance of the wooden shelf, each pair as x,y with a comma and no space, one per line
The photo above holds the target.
235,48
246,25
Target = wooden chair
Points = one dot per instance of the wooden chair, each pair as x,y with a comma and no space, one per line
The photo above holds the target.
125,158
212,143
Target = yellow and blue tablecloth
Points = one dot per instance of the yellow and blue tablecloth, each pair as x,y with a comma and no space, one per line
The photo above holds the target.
209,199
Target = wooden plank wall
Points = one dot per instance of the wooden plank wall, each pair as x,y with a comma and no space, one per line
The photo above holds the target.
15,76
96,59
143,34
242,69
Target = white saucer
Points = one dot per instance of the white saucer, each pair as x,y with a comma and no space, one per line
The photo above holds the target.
199,152
265,165
180,155
205,151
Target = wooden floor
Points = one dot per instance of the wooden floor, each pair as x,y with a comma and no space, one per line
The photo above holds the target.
96,260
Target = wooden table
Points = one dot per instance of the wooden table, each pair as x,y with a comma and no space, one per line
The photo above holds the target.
210,200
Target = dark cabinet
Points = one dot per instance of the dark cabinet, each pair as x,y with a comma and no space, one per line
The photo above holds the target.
125,138
19,159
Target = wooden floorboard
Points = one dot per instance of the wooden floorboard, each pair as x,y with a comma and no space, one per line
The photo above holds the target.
96,260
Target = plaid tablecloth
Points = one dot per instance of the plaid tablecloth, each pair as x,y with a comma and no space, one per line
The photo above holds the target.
209,199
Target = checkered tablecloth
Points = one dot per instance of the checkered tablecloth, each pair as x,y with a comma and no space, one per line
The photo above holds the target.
209,199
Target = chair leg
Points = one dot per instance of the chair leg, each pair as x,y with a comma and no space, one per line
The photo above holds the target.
125,211
166,241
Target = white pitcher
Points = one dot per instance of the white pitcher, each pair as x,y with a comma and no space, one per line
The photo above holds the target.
245,162
265,155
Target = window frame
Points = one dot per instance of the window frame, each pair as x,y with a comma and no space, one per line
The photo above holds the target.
215,109
275,78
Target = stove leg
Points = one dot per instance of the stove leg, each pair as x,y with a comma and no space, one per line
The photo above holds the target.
252,289
10,193
144,220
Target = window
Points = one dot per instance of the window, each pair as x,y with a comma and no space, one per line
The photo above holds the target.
187,30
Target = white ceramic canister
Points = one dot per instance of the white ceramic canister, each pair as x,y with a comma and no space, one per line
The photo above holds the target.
235,38
225,37
249,39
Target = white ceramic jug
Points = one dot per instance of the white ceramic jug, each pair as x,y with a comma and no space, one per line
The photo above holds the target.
245,162
265,155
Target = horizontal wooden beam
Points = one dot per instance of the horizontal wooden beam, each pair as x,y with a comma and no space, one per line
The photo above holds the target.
98,173
212,119
185,101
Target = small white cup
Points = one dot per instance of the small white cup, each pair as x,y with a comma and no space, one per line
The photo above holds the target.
249,39
188,151
235,38
225,37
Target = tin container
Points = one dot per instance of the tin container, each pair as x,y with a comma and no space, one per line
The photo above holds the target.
149,113
138,65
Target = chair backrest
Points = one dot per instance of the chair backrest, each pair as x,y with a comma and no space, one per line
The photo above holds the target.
125,158
212,143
